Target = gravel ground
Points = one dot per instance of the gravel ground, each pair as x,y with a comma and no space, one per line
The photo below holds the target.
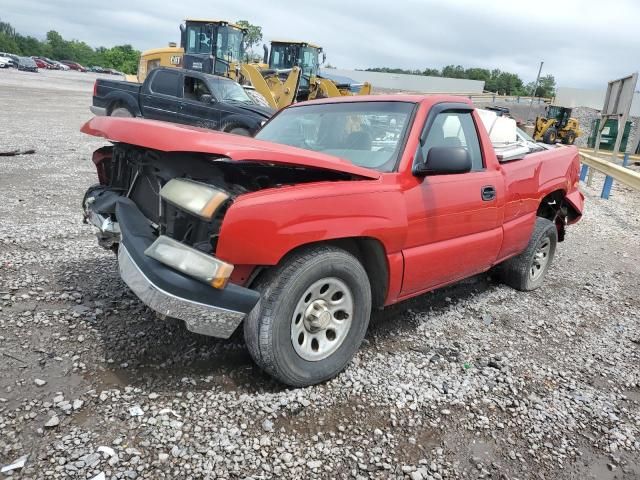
472,381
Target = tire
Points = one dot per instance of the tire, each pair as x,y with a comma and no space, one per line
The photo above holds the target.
282,316
122,112
550,136
569,138
526,271
240,131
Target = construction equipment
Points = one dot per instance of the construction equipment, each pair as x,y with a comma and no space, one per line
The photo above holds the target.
289,74
557,125
286,54
170,56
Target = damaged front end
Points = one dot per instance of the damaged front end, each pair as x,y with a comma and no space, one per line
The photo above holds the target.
162,212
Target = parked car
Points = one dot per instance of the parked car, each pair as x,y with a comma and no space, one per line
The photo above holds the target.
62,66
73,65
300,232
13,59
40,63
96,69
50,64
6,62
27,64
182,96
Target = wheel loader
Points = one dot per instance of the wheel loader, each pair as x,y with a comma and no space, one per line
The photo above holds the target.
286,54
557,125
217,46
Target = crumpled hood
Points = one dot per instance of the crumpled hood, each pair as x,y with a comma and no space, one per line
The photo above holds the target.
170,137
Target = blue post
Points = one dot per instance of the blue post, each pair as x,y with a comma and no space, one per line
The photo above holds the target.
583,172
606,188
625,160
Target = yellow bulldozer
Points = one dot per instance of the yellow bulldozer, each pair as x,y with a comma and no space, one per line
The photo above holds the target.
557,124
289,74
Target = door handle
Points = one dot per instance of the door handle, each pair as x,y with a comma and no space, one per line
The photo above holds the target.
488,193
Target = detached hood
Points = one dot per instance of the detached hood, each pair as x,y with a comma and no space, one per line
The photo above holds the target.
170,137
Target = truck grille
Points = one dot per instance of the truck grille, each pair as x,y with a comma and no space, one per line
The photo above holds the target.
140,175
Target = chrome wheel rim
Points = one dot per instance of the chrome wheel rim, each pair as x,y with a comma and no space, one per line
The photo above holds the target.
540,259
322,319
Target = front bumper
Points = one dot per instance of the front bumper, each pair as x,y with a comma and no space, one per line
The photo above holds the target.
204,309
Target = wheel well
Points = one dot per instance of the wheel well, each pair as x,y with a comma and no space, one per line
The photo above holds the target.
553,207
369,252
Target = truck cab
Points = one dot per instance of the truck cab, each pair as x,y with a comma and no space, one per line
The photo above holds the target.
211,46
285,55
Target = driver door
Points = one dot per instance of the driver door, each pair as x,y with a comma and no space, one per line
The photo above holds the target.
195,108
455,220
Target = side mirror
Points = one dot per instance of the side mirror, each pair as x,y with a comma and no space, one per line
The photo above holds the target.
206,98
265,57
324,57
442,161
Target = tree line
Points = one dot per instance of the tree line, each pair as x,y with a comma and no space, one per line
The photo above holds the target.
497,81
121,57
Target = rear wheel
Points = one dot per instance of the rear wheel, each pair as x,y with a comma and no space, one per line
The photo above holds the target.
550,136
312,316
527,271
123,112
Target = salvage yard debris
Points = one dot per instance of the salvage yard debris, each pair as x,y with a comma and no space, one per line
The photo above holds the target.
12,153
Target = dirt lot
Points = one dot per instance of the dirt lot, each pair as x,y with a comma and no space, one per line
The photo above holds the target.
473,381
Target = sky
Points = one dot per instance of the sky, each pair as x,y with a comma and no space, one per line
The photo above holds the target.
584,44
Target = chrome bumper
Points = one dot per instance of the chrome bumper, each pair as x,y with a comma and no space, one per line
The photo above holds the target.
199,318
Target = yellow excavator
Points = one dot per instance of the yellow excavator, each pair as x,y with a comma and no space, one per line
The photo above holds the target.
216,46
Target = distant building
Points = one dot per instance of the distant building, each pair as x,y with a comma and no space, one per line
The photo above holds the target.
410,83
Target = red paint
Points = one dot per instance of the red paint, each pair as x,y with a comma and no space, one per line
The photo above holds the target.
434,230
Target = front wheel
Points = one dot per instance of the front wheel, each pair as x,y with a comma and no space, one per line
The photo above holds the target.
312,316
240,131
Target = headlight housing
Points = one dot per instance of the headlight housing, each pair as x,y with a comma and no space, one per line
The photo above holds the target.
190,261
200,199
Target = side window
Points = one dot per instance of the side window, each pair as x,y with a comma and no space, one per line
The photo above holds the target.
455,129
194,88
166,83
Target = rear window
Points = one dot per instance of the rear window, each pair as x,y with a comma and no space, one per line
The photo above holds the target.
165,82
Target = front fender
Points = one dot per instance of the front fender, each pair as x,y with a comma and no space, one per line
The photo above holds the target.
262,227
238,120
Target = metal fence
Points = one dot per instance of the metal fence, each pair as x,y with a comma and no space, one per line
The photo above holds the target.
613,171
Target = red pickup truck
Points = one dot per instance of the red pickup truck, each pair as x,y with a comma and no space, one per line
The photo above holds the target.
338,206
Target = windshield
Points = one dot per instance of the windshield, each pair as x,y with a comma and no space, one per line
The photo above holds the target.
229,91
367,134
229,44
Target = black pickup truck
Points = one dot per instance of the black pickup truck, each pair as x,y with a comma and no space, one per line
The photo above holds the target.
182,96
